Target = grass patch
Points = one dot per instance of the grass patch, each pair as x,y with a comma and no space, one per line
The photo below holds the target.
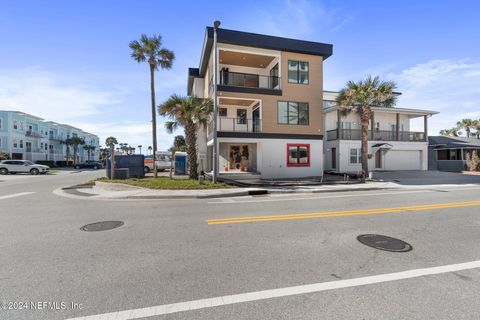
169,184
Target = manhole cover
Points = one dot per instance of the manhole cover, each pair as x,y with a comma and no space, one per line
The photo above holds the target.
380,242
102,226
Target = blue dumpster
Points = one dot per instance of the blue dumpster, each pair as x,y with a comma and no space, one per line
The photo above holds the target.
134,164
180,163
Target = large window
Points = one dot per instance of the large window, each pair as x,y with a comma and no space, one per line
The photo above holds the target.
298,155
15,125
274,77
297,72
355,156
292,113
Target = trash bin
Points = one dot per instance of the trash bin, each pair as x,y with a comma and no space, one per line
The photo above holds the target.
133,163
180,163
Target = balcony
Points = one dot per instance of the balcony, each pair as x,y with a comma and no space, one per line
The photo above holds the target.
249,82
356,134
32,134
235,125
55,137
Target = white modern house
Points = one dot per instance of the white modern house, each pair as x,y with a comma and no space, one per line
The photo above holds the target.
391,146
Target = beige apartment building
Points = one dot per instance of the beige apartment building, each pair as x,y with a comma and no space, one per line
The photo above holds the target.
270,97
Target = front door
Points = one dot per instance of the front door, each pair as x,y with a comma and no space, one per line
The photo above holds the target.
334,158
378,159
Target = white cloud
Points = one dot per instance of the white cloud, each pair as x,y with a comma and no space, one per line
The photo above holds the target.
36,91
447,86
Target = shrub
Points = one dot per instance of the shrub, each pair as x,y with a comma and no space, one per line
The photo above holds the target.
473,161
63,163
4,155
45,163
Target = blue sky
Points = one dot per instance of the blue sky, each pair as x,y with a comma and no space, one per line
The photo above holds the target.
69,61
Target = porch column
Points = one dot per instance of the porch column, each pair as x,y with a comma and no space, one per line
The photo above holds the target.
339,124
397,127
372,125
425,127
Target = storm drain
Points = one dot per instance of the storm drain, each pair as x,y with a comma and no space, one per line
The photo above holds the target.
102,226
380,242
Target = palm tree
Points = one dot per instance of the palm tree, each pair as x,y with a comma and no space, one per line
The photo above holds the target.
467,125
89,149
150,49
75,142
449,132
477,128
360,97
111,142
190,113
150,149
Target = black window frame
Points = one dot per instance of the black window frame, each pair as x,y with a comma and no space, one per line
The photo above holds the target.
298,72
288,113
242,119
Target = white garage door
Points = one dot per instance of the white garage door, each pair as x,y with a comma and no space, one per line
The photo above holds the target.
403,160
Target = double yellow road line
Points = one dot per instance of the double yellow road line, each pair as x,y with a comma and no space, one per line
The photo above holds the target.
314,215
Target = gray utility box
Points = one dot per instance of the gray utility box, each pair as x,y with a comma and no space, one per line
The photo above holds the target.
134,165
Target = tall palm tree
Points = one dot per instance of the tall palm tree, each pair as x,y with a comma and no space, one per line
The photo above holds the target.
477,128
190,113
150,149
89,149
360,97
467,125
75,142
150,49
111,142
453,132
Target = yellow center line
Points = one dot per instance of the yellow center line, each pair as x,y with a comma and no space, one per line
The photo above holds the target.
298,216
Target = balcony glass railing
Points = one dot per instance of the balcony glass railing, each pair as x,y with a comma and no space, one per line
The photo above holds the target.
379,135
236,125
249,80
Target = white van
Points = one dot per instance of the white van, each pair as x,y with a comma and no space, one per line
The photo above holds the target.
163,161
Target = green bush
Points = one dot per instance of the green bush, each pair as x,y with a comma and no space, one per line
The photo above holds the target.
63,163
4,155
46,163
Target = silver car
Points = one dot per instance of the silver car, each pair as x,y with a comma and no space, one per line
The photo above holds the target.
22,166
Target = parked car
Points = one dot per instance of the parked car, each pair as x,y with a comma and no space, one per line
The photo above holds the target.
89,164
22,166
163,161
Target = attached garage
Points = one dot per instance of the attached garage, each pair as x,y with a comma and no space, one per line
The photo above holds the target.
403,160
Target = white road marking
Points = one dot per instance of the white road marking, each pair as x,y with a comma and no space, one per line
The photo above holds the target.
277,293
15,195
279,197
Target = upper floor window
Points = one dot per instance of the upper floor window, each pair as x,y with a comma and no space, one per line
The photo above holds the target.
274,76
15,143
297,72
293,113
15,124
222,112
21,143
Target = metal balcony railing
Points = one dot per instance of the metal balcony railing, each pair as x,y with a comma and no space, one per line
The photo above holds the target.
32,134
378,135
249,80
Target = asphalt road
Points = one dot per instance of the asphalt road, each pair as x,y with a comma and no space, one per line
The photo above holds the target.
166,253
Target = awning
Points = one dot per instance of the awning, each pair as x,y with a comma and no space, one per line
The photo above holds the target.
381,146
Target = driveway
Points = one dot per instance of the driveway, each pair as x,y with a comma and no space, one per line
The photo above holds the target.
416,177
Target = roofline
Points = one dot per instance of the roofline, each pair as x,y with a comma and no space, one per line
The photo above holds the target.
23,113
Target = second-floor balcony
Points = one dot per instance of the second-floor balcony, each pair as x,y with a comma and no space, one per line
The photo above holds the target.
31,133
55,137
376,135
235,125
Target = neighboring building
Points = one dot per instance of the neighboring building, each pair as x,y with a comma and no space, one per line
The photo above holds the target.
450,153
391,145
28,137
270,94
